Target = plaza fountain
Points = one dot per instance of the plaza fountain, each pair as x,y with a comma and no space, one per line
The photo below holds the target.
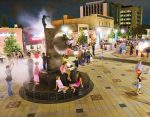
45,93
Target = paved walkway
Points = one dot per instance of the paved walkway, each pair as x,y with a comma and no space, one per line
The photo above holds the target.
111,55
113,95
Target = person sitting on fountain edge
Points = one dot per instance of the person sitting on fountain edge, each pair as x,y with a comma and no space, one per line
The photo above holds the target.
78,82
60,85
65,76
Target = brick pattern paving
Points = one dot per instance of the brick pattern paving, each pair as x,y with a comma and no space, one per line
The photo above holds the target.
113,95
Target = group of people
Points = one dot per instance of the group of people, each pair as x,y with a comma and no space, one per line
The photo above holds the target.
136,47
68,76
61,87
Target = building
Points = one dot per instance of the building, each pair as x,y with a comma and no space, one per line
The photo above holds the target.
131,16
33,39
95,23
125,16
103,8
112,10
5,32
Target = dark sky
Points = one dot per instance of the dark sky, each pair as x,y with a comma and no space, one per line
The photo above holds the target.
11,8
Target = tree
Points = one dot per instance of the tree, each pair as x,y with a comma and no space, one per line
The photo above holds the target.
11,45
111,35
82,39
4,22
140,29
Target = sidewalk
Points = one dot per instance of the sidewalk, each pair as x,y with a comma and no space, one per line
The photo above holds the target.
111,55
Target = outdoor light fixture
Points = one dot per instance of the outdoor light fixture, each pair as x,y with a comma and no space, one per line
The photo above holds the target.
70,32
98,29
65,29
15,25
122,31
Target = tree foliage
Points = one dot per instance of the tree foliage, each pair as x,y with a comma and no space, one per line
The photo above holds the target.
140,29
82,39
11,45
111,35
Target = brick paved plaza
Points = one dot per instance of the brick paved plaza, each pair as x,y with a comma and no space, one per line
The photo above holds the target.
113,95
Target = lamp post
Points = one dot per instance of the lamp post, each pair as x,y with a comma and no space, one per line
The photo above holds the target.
122,31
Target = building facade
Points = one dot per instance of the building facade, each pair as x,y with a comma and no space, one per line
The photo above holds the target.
5,32
131,16
125,16
102,8
93,21
95,24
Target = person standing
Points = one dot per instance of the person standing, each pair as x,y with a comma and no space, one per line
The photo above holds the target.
88,56
36,73
93,49
139,85
9,78
131,49
30,67
44,57
137,50
139,68
76,62
148,51
84,55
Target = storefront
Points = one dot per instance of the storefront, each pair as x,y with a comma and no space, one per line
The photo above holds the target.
5,32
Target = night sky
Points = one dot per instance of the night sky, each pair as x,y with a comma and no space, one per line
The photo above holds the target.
12,8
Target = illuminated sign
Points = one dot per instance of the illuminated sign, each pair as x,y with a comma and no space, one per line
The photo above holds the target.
6,34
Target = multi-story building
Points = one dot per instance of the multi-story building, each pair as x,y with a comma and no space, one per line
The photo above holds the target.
91,8
102,8
131,16
94,23
125,16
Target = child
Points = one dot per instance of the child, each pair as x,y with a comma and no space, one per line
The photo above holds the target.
60,85
139,85
36,73
77,83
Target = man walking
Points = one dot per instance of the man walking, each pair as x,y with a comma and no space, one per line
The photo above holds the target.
9,78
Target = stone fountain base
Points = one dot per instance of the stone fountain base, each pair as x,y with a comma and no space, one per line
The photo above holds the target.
45,93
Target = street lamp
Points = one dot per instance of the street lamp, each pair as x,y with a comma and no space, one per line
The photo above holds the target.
65,29
122,31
